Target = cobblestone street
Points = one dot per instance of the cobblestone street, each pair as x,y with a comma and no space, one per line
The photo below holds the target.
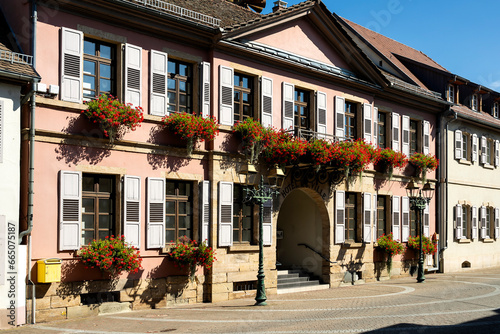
445,303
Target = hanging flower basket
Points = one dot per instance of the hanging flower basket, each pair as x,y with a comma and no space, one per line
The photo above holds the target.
391,247
387,159
187,253
424,163
191,128
284,150
111,255
254,138
428,245
113,116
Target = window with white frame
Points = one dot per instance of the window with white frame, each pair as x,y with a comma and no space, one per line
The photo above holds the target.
489,219
496,110
465,146
355,120
474,102
415,136
450,93
490,151
353,216
465,217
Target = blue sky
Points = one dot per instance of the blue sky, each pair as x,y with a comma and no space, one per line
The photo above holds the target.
462,36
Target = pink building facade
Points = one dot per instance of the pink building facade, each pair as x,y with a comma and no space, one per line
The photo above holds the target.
296,68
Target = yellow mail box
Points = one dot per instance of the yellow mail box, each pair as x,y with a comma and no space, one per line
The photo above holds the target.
49,270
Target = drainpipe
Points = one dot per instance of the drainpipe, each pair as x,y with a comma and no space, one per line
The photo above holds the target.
29,215
443,205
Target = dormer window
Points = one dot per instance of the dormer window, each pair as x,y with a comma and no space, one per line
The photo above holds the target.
496,110
450,93
473,102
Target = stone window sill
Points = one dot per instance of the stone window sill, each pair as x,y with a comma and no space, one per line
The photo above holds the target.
464,241
488,166
244,248
353,244
464,162
488,240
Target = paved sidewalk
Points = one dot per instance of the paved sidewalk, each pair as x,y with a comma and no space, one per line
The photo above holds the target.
446,303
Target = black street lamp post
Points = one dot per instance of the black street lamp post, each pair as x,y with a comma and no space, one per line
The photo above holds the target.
419,198
260,196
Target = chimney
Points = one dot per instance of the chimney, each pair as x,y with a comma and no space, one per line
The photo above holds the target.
279,5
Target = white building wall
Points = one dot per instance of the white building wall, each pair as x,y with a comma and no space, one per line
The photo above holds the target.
470,184
11,274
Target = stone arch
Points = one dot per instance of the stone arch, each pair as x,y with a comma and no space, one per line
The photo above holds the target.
303,218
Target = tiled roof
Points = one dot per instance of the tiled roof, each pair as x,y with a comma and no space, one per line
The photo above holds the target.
391,49
229,13
477,115
13,62
268,17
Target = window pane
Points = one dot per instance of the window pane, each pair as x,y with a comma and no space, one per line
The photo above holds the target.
105,185
171,67
246,236
245,82
247,222
170,221
104,221
89,67
182,86
172,98
182,208
89,48
184,189
183,70
104,85
105,70
105,205
88,204
170,236
171,188
89,82
171,84
182,100
87,237
170,208
104,234
184,222
236,222
88,221
105,51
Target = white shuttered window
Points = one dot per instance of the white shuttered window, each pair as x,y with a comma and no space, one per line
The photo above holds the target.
70,212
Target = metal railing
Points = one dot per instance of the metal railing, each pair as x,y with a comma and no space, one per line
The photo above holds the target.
14,57
309,135
183,12
315,251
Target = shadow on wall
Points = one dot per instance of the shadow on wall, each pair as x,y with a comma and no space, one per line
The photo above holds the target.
91,145
159,158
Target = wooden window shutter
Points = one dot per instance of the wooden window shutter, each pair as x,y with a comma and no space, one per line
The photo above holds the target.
458,220
267,225
405,229
132,210
395,132
396,218
226,95
426,137
339,217
483,149
156,212
458,144
70,210
474,147
205,86
133,74
288,106
375,126
266,115
225,214
474,222
367,123
367,217
339,118
497,223
483,222
427,221
321,108
497,153
158,83
71,65
406,135
205,210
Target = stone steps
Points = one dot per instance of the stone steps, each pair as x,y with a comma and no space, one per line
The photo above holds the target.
297,281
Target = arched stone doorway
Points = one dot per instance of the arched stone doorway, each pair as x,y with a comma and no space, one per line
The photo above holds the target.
303,219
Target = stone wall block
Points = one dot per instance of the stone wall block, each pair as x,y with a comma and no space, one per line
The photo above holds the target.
64,301
52,314
82,311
